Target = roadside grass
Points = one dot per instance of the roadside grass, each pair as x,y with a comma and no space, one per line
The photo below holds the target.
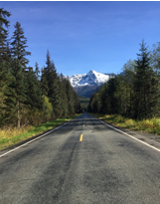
13,136
151,126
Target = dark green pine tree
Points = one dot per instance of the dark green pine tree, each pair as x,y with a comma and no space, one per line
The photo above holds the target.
4,24
16,95
63,96
53,85
19,46
77,105
38,81
70,96
17,92
5,74
112,100
144,85
5,81
44,82
33,91
37,72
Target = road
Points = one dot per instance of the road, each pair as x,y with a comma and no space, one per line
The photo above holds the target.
83,162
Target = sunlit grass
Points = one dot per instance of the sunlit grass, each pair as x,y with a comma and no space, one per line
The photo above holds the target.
152,125
11,136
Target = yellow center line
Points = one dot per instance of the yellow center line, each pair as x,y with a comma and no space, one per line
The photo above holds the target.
81,138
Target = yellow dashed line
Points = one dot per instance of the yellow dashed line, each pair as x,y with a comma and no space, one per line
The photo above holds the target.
81,138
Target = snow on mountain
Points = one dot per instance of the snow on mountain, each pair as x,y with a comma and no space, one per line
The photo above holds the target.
92,78
75,79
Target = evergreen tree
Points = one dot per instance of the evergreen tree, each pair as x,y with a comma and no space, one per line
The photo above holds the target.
37,72
17,91
144,85
19,46
53,85
44,82
33,91
34,99
155,57
63,96
16,95
103,96
4,24
70,97
5,74
128,82
93,103
155,64
5,81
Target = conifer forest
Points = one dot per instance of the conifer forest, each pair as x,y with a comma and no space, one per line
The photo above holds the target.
29,95
135,92
33,95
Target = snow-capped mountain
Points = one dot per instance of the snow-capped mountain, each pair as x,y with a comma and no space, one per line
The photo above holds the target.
86,84
92,78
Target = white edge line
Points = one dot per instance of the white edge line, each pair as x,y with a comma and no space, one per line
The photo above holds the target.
37,138
130,136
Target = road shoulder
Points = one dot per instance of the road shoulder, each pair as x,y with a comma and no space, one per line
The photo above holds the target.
149,138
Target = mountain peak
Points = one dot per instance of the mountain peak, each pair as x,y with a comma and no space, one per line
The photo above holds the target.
92,72
92,78
86,84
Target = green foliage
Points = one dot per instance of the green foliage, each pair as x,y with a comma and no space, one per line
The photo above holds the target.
155,57
135,93
48,109
19,46
145,86
4,24
58,89
15,94
5,80
33,90
53,85
26,96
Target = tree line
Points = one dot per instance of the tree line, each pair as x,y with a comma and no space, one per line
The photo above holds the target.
134,93
27,94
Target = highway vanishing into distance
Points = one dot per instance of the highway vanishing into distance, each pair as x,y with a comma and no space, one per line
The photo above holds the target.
81,162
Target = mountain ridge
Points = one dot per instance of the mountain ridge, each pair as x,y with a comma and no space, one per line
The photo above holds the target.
92,78
86,84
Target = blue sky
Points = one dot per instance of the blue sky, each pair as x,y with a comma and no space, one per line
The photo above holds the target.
81,36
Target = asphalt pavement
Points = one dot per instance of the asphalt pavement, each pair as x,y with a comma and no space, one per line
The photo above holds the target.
82,162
